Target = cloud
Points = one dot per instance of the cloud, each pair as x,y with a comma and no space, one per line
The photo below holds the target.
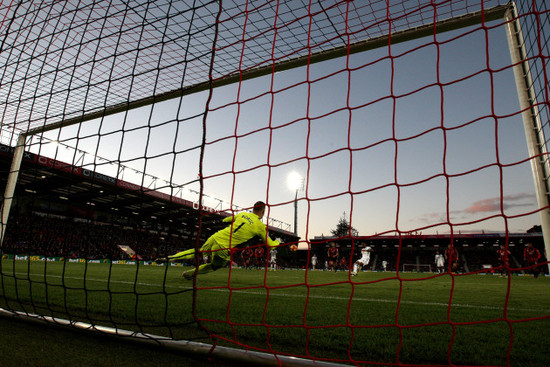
485,205
493,204
481,206
435,217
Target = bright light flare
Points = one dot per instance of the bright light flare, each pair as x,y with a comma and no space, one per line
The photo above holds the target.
294,181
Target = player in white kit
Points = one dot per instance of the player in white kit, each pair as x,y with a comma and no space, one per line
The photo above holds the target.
273,259
364,260
439,262
313,262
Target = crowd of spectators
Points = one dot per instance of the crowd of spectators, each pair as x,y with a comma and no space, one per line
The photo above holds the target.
55,236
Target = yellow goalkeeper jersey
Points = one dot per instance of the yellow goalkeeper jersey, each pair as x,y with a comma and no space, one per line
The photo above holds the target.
245,226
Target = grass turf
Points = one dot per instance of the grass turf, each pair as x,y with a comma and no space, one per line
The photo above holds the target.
374,317
33,345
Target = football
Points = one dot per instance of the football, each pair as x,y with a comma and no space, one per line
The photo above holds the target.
293,248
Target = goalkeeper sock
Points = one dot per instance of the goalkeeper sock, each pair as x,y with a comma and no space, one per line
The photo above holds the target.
183,255
203,269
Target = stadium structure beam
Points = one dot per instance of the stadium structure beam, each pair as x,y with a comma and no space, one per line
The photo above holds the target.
536,143
247,357
10,185
497,12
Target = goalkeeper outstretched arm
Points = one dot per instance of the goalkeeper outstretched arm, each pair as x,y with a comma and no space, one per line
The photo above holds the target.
271,243
264,235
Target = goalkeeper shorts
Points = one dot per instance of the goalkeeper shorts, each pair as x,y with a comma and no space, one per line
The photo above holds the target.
219,254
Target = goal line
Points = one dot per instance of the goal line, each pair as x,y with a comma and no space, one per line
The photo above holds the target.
419,268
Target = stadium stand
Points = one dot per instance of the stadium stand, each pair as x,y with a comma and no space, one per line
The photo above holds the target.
45,223
56,236
61,210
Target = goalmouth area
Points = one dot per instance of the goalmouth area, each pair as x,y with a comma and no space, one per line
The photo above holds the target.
417,315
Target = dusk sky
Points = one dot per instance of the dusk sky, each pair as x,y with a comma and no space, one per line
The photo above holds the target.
385,162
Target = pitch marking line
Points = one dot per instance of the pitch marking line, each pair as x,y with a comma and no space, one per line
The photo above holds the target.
361,299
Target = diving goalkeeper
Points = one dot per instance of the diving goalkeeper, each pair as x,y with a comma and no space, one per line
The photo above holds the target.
243,227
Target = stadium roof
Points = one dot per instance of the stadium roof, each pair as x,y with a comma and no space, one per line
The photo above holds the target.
88,191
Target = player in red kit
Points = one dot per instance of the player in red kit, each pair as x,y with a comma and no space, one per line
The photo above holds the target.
451,255
531,256
332,255
503,256
246,256
343,265
259,257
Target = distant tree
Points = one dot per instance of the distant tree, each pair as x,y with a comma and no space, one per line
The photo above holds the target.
343,228
535,229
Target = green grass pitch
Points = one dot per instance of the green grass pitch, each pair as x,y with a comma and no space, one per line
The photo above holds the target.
385,318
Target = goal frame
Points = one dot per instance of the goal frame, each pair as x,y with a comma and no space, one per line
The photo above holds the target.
534,134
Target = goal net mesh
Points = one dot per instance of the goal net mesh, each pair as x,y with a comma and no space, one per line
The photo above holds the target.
146,123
